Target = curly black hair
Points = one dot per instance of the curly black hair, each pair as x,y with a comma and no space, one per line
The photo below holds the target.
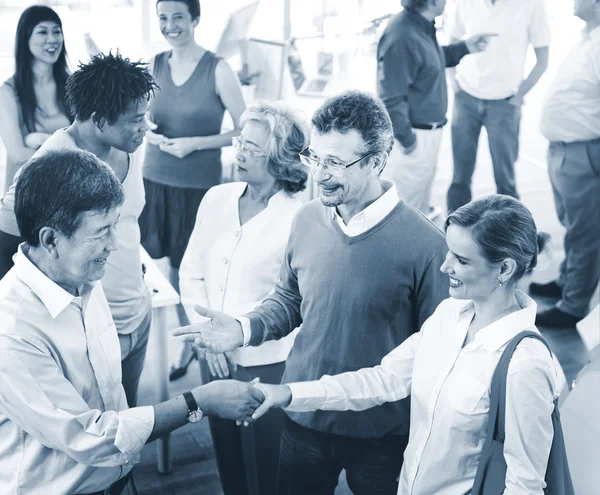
106,86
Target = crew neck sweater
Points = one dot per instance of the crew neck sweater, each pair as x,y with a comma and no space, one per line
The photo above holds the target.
355,299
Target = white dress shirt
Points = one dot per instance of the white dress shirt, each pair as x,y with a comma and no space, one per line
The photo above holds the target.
497,72
231,267
359,223
127,294
65,426
449,387
571,111
372,214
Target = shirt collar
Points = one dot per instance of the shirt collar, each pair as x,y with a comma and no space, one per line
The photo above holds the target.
52,295
498,333
378,209
594,34
420,21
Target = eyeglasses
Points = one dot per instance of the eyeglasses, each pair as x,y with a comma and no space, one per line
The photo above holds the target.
240,145
331,166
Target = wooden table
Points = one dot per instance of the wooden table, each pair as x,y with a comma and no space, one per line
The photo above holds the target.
163,296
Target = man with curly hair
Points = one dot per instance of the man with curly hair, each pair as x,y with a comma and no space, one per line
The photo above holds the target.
108,97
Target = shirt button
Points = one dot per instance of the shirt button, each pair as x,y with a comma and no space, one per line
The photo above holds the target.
225,261
236,233
221,288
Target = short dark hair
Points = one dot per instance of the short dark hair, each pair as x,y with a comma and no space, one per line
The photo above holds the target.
23,77
192,5
361,111
504,228
416,5
106,86
56,188
288,136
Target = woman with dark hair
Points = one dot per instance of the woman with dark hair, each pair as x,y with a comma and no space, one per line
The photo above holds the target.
447,367
231,264
32,101
182,158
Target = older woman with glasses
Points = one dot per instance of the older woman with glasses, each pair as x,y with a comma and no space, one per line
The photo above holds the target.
231,264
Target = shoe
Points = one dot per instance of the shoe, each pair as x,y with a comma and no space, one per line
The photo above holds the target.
434,212
177,372
556,318
551,289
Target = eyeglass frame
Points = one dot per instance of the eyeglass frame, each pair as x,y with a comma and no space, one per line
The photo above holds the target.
240,145
338,169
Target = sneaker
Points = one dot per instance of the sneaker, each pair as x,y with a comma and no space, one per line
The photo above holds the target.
556,318
551,289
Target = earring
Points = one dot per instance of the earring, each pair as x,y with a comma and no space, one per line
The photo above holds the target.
500,282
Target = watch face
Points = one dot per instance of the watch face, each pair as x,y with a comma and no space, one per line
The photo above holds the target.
195,416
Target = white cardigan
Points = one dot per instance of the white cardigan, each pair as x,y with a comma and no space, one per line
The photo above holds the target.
231,267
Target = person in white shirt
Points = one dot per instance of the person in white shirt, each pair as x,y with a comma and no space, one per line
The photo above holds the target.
571,123
231,264
65,426
108,97
447,367
490,87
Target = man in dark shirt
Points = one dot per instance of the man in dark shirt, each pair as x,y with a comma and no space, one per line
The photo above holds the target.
411,81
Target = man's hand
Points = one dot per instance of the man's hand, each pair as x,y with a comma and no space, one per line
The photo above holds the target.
516,100
219,364
411,148
222,333
179,147
228,399
479,42
274,396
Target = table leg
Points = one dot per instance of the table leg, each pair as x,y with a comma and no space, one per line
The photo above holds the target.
159,325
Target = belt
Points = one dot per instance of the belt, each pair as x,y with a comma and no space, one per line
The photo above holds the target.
116,488
430,127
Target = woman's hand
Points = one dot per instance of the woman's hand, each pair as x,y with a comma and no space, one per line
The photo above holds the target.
180,147
219,364
151,136
35,139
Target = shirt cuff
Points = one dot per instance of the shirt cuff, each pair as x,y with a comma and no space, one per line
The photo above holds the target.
135,427
306,396
246,329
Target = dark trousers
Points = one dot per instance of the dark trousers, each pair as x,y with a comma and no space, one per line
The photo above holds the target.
247,457
311,462
502,121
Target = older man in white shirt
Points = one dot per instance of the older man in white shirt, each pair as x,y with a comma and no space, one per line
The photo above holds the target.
571,122
490,87
65,426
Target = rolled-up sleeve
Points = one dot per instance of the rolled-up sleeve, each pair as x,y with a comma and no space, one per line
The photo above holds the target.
362,389
8,221
35,395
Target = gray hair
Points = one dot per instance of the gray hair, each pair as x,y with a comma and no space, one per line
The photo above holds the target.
360,111
288,136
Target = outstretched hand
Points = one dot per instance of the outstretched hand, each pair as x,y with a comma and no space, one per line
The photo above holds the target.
274,396
479,42
222,333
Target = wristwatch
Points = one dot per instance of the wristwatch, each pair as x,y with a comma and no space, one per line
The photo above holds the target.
195,414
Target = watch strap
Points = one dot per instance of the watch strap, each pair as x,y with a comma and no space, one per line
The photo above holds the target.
190,401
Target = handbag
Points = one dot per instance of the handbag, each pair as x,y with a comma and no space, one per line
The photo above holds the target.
491,472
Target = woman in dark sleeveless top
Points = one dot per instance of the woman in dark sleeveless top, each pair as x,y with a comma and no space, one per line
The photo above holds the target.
32,101
183,152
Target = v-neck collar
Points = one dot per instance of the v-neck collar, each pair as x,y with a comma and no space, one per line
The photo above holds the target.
191,76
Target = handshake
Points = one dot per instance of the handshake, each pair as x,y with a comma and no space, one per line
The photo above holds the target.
244,402
229,399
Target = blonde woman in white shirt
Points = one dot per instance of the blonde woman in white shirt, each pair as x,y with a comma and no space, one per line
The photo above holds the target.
447,367
232,262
